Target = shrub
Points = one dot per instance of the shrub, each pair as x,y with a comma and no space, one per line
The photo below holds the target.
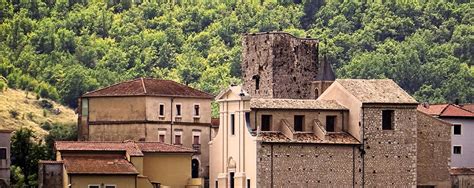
46,104
14,113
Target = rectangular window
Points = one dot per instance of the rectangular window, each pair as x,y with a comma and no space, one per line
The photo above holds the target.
387,119
178,109
217,184
457,129
110,186
232,124
3,153
196,110
85,107
196,140
162,109
298,123
231,180
330,123
248,183
94,186
457,149
162,138
266,122
177,139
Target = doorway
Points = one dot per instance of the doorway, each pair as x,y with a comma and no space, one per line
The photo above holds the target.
195,168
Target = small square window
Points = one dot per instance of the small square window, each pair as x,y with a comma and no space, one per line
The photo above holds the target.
457,149
110,186
330,123
457,129
94,186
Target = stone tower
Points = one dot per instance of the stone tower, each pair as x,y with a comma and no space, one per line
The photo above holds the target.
279,65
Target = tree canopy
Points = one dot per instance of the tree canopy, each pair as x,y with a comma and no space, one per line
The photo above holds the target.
64,48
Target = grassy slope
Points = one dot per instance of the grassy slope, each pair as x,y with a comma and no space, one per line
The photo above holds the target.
16,100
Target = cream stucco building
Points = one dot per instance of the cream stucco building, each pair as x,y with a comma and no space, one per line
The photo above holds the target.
146,109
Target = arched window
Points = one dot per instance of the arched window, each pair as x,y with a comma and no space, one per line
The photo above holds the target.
316,93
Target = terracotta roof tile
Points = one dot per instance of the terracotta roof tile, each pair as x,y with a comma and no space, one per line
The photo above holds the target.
469,107
148,87
461,171
162,147
445,110
98,165
295,104
377,91
331,138
132,148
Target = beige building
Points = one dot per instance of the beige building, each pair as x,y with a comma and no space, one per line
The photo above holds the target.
154,110
118,164
5,157
289,127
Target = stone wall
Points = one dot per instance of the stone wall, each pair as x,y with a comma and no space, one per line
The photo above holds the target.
285,65
390,155
308,165
433,146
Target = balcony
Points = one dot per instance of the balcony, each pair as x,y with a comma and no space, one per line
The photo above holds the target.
197,147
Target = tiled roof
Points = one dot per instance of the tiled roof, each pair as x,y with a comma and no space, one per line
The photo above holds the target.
148,87
331,138
377,91
469,107
295,104
132,148
162,147
50,162
461,171
445,110
98,165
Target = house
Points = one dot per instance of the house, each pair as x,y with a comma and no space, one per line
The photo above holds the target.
5,162
150,110
462,131
292,124
110,164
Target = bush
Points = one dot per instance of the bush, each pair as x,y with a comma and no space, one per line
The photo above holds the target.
46,104
14,113
30,116
46,126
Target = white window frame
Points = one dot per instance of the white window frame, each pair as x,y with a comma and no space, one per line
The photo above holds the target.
460,146
197,133
454,124
176,109
161,132
180,133
90,185
194,110
110,185
164,109
6,153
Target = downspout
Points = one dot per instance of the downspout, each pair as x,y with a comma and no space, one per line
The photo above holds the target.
171,120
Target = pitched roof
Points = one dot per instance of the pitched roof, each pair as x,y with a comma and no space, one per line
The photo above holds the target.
325,72
115,164
148,87
469,107
377,91
132,148
445,110
295,104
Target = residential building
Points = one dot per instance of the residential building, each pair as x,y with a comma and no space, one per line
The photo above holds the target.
150,110
5,162
292,125
462,133
104,164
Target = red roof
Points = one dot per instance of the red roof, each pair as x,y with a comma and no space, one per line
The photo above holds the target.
148,87
445,110
469,107
132,148
115,164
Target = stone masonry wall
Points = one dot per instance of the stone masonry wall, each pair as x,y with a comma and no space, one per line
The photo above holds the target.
390,158
285,65
308,165
434,151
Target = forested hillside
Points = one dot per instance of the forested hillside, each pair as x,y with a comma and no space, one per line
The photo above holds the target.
63,48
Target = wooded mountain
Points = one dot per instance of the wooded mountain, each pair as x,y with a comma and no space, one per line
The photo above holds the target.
63,48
